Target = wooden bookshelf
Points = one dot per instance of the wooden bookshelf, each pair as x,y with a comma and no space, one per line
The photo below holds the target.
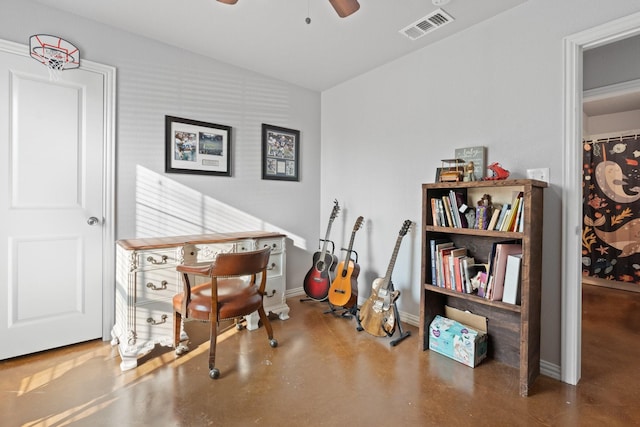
514,330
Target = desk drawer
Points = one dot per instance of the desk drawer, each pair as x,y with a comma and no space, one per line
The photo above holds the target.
156,258
154,320
158,284
274,244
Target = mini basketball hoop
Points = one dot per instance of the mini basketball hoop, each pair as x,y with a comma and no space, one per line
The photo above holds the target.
54,52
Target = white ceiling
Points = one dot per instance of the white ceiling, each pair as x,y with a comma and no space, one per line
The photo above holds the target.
271,37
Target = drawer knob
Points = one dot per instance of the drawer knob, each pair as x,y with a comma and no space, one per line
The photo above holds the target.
272,266
152,321
163,285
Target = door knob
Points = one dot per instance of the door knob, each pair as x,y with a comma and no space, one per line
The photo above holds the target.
93,220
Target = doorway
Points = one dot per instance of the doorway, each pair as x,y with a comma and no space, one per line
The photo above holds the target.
56,203
574,46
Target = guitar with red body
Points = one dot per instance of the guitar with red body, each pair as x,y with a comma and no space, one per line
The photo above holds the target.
318,279
343,291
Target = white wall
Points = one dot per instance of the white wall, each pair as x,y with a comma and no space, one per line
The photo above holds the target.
154,80
497,84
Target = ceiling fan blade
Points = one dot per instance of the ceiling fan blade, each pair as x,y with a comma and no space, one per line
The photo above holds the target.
228,1
345,7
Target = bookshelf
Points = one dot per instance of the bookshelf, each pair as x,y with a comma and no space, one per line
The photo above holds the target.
514,330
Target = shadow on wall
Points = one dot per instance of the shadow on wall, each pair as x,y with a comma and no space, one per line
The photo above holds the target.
167,208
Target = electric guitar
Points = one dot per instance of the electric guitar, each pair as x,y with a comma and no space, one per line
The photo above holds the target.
375,314
318,279
343,291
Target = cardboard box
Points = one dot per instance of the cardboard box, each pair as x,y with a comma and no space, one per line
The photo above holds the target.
461,336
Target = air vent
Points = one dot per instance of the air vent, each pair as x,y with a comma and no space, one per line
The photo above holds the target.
429,23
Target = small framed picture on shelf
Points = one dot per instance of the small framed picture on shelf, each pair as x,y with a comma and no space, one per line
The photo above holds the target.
280,153
475,159
197,147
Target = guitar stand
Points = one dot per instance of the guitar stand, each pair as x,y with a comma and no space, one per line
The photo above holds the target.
347,313
403,334
333,248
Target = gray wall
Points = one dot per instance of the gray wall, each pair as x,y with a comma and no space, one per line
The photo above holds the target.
497,84
154,80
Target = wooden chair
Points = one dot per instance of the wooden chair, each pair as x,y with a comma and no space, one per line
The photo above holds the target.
232,292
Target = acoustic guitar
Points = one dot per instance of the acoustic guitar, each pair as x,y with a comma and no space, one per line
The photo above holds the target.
319,277
375,316
343,291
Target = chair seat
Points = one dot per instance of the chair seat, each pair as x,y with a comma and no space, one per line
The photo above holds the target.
235,299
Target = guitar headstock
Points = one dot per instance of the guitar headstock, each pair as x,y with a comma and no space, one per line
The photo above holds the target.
336,209
405,227
358,223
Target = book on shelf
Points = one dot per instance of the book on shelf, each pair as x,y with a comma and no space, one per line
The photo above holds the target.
503,213
435,245
441,250
483,290
509,222
467,273
454,269
496,284
434,212
494,218
457,201
447,209
511,293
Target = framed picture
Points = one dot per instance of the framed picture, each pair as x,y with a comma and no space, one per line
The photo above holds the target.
197,147
280,153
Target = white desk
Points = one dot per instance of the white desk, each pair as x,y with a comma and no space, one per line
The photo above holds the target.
147,280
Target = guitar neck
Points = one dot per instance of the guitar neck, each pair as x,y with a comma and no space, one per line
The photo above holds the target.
387,277
326,237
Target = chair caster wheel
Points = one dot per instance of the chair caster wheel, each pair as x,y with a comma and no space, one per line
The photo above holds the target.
239,326
273,343
214,374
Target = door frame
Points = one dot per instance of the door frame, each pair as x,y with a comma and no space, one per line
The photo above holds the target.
108,180
571,324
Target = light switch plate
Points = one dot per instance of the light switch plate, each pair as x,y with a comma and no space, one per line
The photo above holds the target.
541,174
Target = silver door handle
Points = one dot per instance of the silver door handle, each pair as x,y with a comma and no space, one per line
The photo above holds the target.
93,221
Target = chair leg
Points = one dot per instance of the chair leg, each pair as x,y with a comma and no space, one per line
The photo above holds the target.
214,372
267,326
177,328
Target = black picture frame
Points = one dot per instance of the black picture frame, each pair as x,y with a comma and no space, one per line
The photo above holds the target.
196,147
280,153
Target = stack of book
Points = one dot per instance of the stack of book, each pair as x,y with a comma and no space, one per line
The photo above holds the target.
452,267
448,211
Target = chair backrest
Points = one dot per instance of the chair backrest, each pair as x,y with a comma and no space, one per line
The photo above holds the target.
240,263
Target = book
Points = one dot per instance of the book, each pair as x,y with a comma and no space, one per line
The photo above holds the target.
447,209
503,250
503,212
511,293
434,245
440,248
484,290
454,268
494,218
467,274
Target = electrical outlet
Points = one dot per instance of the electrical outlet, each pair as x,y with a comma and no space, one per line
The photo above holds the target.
541,174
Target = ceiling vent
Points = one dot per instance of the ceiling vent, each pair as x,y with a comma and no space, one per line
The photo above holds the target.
429,23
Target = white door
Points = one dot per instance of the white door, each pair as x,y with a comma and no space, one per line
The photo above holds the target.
51,206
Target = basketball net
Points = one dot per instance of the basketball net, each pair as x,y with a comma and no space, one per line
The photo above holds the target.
55,68
55,53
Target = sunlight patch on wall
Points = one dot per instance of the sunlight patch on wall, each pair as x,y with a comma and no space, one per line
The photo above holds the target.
165,207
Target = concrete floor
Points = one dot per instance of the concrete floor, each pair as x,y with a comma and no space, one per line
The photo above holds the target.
325,373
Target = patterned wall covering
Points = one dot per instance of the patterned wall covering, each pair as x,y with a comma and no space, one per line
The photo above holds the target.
611,207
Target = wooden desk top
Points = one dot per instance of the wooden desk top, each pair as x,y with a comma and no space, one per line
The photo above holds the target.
172,241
